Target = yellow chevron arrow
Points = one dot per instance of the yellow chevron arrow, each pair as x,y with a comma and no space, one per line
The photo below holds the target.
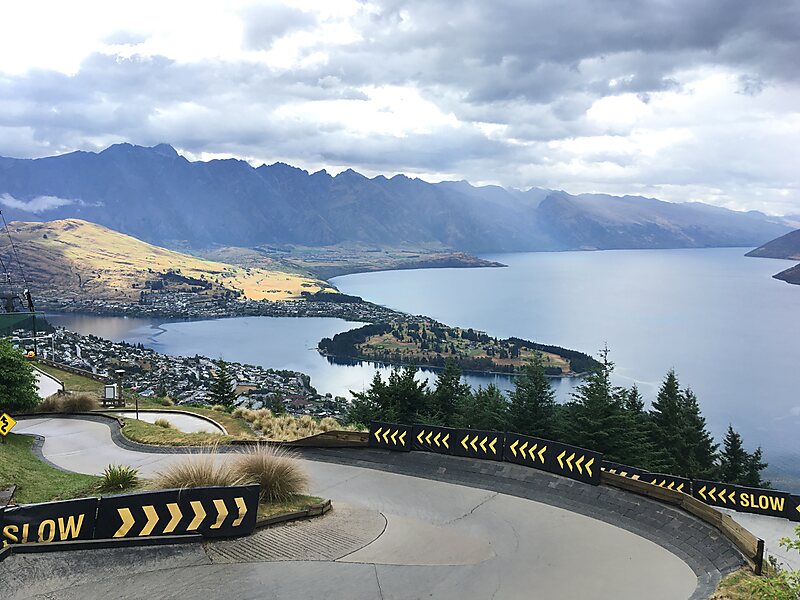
522,449
579,462
663,483
394,437
624,473
419,436
199,515
483,444
127,522
702,493
436,439
731,496
378,434
444,441
636,477
588,467
472,443
152,519
722,496
514,448
541,454
385,436
531,454
491,445
402,438
671,485
222,512
175,517
428,438
569,461
680,487
559,457
242,506
711,493
798,508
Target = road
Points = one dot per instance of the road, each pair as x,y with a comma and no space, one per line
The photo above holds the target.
440,541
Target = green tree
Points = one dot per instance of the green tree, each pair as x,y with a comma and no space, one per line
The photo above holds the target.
486,409
367,406
18,391
699,462
596,417
532,404
733,458
450,391
221,389
402,399
752,474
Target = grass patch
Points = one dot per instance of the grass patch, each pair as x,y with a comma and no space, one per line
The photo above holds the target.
235,426
295,503
149,433
37,481
196,470
69,403
277,472
72,382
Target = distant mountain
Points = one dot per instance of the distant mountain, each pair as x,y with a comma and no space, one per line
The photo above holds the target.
159,196
787,247
73,258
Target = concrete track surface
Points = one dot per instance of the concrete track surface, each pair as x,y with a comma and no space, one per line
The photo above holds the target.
436,540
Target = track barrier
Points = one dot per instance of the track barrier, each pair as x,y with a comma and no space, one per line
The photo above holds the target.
553,457
207,511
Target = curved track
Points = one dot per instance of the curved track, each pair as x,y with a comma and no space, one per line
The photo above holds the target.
440,541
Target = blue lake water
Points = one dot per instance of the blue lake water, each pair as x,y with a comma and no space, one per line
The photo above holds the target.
730,331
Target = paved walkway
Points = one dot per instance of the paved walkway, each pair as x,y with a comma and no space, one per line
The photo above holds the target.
441,540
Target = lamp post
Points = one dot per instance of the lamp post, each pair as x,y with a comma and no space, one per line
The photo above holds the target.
120,373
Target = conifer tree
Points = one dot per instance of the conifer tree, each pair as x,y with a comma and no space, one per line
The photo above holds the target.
752,476
532,404
733,458
699,461
450,391
221,390
369,405
486,408
667,423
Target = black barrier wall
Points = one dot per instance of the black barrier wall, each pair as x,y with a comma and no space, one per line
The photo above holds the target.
390,436
433,439
478,444
49,522
751,500
210,511
554,457
671,482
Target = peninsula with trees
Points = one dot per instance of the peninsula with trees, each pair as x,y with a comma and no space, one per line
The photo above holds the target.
422,341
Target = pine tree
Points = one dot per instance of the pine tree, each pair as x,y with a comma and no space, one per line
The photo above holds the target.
701,450
369,405
649,457
486,409
221,390
449,393
667,424
596,417
18,391
752,474
733,458
532,404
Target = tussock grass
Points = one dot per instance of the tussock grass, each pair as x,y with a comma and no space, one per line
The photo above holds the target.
68,403
277,472
162,422
197,470
288,427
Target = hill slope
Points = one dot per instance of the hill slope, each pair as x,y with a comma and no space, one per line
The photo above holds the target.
787,247
72,257
159,196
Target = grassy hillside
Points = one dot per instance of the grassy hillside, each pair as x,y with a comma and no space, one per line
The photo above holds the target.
75,257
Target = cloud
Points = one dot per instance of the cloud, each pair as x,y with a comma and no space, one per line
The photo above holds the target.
678,99
36,205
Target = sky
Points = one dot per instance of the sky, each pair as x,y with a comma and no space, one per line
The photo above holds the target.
679,100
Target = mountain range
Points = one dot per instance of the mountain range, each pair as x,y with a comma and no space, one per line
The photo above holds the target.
157,195
786,247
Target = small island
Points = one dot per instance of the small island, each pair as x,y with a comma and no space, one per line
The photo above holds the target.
424,342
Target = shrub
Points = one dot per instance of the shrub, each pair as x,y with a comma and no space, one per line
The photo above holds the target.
197,470
162,422
68,403
218,407
329,424
166,401
277,472
118,477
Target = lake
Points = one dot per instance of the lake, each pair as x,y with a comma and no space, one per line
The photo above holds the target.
731,332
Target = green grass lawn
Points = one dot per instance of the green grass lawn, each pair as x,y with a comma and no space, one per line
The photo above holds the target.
73,383
36,481
148,433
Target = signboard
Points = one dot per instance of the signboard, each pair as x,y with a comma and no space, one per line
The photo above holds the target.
751,500
210,511
794,508
390,436
433,439
49,522
554,457
478,444
671,482
6,424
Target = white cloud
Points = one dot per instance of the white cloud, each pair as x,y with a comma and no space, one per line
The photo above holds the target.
37,205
